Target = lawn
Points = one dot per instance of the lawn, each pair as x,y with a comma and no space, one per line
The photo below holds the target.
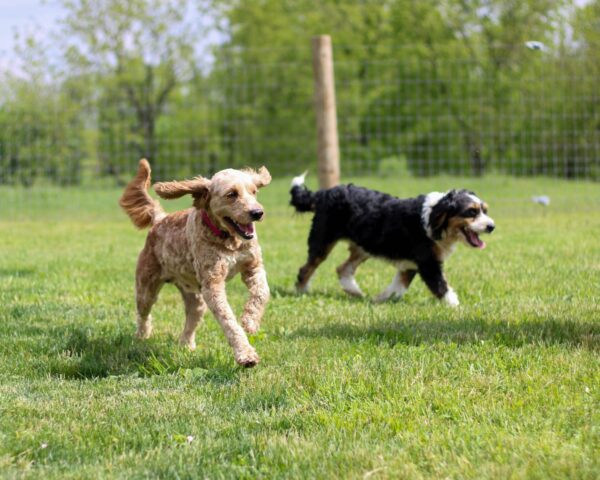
506,386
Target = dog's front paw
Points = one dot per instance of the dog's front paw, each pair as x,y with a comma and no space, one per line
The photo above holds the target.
249,326
247,358
143,332
451,299
144,327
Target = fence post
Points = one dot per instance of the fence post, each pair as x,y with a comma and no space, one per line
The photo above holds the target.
325,107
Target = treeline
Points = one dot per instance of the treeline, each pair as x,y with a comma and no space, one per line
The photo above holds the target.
460,87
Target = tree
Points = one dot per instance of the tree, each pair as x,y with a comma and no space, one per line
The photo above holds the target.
415,79
41,122
140,51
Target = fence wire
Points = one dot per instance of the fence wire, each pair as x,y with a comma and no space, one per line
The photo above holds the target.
409,115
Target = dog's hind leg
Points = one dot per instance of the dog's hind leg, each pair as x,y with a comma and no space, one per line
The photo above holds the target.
347,269
315,258
147,286
399,285
321,241
195,308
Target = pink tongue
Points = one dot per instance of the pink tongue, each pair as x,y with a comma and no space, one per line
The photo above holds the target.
475,240
247,228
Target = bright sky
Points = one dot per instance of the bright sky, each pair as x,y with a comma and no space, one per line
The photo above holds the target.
26,16
39,17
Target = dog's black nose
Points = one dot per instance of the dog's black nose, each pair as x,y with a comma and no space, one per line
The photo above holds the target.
256,214
490,228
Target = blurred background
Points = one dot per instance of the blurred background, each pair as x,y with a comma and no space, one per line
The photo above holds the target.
458,90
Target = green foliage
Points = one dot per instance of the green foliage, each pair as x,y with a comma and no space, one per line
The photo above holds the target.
139,52
37,142
451,86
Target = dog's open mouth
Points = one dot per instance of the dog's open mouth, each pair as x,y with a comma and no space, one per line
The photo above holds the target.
244,231
472,238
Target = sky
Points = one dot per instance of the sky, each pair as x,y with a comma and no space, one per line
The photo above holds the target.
39,17
25,15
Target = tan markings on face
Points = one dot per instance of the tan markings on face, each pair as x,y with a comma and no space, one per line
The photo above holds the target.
233,195
455,224
474,206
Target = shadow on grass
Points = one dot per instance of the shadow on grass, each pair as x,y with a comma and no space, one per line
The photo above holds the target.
551,331
84,356
282,292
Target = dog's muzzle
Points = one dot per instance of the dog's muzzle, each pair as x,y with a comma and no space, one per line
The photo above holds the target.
256,214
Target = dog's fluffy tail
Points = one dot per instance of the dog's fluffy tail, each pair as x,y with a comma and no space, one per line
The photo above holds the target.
302,198
142,209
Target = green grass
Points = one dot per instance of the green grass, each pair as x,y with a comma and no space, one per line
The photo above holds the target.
507,386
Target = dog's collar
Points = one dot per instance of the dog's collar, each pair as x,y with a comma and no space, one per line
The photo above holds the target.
216,231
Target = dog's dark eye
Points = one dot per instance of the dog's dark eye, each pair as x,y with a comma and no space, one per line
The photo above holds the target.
471,212
232,194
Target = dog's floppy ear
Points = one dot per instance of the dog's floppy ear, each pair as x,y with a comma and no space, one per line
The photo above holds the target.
441,213
262,178
197,187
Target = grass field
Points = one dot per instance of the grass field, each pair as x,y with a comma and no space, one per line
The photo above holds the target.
506,386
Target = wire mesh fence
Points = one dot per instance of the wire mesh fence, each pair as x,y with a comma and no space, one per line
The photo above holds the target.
520,113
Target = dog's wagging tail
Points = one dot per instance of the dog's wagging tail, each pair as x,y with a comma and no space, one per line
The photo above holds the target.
141,208
415,234
303,200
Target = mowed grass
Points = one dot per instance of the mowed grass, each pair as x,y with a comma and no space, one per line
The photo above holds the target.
506,386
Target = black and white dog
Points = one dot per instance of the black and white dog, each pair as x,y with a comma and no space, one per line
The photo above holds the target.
415,234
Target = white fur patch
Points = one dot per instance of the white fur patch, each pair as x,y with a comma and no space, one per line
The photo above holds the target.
451,299
349,285
475,198
304,289
431,201
481,223
394,289
299,180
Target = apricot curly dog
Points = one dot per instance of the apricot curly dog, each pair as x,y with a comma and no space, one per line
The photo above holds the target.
199,249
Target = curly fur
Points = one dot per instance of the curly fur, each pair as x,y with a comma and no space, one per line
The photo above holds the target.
416,234
182,248
142,209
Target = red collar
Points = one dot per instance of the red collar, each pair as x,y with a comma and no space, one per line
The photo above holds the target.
217,232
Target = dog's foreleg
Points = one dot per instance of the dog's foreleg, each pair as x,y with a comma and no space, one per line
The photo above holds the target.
213,291
255,280
432,275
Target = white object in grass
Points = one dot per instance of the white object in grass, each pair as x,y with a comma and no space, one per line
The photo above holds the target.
542,200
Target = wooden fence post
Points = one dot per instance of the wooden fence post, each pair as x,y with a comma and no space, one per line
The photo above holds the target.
325,107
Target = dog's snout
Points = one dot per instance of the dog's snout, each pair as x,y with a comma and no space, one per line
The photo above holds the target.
490,228
256,214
